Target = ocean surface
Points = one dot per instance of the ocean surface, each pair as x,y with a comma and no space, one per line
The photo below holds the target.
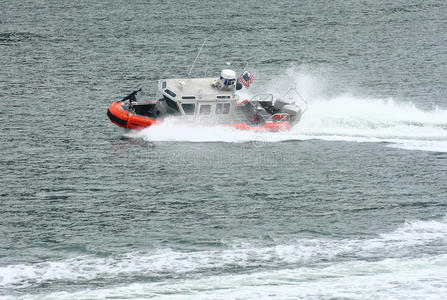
350,204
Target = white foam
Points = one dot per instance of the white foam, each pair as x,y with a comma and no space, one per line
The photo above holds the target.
375,120
412,237
432,146
178,131
418,278
329,117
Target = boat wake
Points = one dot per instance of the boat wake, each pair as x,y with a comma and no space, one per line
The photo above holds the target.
338,118
385,265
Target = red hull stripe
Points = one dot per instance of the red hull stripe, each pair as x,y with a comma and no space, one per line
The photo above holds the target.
122,118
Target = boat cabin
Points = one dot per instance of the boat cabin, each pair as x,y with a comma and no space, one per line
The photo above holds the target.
200,96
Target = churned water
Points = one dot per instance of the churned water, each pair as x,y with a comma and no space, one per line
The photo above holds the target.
351,203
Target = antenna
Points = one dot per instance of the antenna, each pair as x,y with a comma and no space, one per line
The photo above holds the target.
200,50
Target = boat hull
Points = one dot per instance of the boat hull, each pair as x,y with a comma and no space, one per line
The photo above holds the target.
125,119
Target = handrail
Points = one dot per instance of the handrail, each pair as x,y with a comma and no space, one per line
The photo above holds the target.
306,105
267,96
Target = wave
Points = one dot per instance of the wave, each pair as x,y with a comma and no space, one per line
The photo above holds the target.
421,278
410,243
402,125
332,118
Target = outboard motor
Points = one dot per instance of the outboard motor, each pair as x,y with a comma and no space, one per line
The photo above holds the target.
227,80
280,103
289,107
293,111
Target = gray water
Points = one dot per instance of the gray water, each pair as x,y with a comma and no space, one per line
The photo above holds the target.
351,203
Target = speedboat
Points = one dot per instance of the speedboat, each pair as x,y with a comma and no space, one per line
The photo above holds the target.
210,100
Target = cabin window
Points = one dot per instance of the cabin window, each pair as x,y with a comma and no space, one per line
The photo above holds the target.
189,108
205,109
222,108
170,93
189,97
218,108
223,97
171,104
163,85
226,108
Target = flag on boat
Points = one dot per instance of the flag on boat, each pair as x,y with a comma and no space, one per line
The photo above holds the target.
246,79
